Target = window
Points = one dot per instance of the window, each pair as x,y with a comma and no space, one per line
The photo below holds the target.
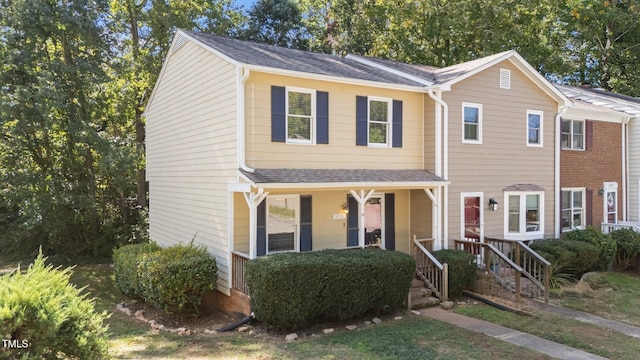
572,134
524,215
282,223
472,123
300,119
534,128
572,204
379,121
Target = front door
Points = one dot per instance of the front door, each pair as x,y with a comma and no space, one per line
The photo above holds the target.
610,202
373,220
379,221
471,221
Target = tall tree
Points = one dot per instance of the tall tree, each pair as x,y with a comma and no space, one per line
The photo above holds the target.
277,22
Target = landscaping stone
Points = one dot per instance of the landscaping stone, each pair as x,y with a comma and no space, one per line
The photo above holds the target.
327,331
351,327
243,328
447,305
291,337
416,312
376,320
367,322
397,318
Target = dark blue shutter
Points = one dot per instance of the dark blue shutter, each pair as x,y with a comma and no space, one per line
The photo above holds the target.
397,124
322,117
262,228
278,113
305,223
352,221
361,120
389,222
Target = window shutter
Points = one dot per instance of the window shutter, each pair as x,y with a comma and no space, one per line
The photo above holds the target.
305,223
322,117
361,120
262,228
588,134
278,113
589,207
389,222
352,221
397,124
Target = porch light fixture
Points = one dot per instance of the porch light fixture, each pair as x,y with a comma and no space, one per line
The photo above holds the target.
493,204
601,192
345,208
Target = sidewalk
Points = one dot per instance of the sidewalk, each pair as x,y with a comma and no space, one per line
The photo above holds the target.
529,341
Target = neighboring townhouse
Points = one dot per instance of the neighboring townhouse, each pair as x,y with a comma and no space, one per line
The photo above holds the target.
254,149
600,159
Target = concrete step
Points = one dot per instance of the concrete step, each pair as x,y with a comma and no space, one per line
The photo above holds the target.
424,302
416,283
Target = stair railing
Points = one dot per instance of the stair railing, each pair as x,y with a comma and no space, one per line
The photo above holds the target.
434,274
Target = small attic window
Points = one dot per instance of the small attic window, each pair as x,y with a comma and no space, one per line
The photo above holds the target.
505,79
180,40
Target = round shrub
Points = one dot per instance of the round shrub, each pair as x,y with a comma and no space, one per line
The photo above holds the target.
606,245
573,257
628,246
174,279
292,290
125,266
462,270
48,317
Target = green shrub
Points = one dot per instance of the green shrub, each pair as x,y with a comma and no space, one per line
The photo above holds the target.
628,246
125,266
462,270
573,257
292,290
606,245
49,317
174,279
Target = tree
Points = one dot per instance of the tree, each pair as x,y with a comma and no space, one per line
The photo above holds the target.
277,22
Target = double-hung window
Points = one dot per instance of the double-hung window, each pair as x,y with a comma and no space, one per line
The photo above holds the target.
534,128
572,204
524,215
379,121
471,123
572,136
283,223
301,104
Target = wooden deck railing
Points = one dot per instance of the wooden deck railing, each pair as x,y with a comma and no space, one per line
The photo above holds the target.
239,282
434,274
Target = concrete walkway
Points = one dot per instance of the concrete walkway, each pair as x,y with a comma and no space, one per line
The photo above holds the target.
519,338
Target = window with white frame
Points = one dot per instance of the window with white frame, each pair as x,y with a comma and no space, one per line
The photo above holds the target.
572,205
301,104
524,215
471,123
379,121
534,128
572,137
283,223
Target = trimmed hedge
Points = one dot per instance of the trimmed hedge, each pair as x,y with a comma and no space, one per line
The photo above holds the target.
606,245
48,317
293,290
125,266
628,247
574,257
462,270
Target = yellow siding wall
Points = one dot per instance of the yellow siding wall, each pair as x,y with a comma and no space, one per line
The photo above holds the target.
341,152
503,158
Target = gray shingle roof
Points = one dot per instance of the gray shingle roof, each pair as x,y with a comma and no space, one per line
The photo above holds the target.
339,175
251,53
600,98
524,187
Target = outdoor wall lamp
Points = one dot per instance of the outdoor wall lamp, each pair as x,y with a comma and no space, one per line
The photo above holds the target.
345,208
601,192
493,204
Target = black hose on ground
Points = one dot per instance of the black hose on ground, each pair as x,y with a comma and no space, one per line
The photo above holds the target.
495,304
237,324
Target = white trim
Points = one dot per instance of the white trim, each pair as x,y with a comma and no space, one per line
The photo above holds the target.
505,79
464,195
609,187
312,118
479,107
584,135
571,208
389,121
296,239
380,196
364,61
556,178
541,129
578,113
352,185
524,234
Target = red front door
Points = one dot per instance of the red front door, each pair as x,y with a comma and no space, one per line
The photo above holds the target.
472,218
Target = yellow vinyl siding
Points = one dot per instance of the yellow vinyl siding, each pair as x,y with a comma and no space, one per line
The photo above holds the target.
341,152
191,152
503,158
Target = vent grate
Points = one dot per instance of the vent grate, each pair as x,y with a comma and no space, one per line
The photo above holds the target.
180,40
505,79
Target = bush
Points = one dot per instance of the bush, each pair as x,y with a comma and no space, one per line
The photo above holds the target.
292,290
462,270
628,246
174,279
125,266
573,257
55,320
606,245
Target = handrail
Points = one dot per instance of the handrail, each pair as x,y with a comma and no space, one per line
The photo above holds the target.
432,272
607,228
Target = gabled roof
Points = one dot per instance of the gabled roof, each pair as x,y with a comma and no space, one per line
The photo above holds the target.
603,99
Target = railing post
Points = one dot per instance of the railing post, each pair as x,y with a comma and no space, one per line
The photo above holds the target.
445,282
546,283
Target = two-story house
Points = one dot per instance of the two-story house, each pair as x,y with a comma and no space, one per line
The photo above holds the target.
255,149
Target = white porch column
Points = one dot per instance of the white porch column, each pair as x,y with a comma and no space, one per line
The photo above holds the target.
361,198
435,225
254,199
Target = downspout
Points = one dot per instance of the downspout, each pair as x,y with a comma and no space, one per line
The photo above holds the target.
242,75
625,164
556,195
442,161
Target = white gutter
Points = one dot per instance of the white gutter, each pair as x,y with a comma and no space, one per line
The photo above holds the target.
556,196
242,75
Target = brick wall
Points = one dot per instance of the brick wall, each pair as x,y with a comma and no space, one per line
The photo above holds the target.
590,168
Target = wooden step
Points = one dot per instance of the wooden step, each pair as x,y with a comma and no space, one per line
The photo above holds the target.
416,283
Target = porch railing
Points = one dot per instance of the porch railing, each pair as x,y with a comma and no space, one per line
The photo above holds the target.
434,274
609,227
238,279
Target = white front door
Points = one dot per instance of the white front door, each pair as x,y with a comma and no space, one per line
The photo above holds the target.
610,202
